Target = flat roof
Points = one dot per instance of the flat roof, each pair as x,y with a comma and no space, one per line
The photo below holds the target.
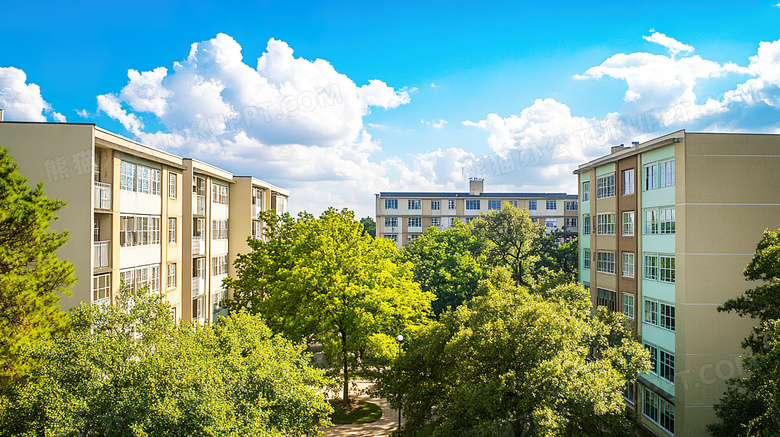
465,194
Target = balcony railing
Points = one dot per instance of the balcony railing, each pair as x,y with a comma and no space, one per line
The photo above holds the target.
198,204
101,253
198,286
102,195
198,246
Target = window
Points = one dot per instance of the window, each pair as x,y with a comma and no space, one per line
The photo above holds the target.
586,191
628,264
450,204
532,205
667,268
469,219
651,267
605,262
138,230
571,222
391,203
666,174
197,308
651,177
586,258
220,194
127,176
436,221
171,276
606,298
666,272
154,279
667,319
550,222
219,229
199,270
219,265
605,224
392,237
257,229
412,237
551,204
142,180
628,182
414,204
414,222
198,224
666,365
628,223
651,312
667,220
172,230
391,222
435,205
156,182
172,186
494,205
605,186
628,305
585,224
473,205
629,392
512,202
658,410
101,289
452,221
653,358
571,205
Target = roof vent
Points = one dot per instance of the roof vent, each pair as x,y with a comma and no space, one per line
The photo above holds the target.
617,148
634,143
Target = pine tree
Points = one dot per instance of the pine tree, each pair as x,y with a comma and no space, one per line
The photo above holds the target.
31,276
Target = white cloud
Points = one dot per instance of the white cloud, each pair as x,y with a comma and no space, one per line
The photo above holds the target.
21,101
672,44
58,117
112,106
82,113
145,92
436,124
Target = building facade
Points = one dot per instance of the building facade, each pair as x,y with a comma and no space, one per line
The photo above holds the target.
404,216
140,216
666,229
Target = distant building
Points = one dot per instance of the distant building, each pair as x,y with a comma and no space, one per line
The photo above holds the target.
667,228
140,215
403,216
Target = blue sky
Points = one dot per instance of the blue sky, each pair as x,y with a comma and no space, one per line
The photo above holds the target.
416,94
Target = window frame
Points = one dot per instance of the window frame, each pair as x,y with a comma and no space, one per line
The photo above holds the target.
391,203
548,203
628,182
605,186
605,223
629,307
532,205
586,258
603,262
494,205
417,221
471,203
172,230
435,205
628,259
171,281
414,204
628,225
586,191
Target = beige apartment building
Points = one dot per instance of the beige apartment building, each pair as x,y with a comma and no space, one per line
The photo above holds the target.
667,228
140,216
404,216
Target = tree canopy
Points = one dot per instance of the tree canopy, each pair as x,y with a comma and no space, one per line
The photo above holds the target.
369,226
448,264
128,370
31,276
325,280
518,362
751,405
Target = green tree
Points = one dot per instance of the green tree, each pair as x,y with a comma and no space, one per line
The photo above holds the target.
447,264
31,276
512,241
129,370
369,225
751,405
327,281
518,362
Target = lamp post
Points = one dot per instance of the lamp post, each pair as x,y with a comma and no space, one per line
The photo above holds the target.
400,339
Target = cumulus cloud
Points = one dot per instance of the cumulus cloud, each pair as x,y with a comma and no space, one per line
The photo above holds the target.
672,44
436,124
20,100
112,106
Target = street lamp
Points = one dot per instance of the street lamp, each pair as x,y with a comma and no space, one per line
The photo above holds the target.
400,339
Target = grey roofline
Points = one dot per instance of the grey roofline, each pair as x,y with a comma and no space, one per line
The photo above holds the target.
464,194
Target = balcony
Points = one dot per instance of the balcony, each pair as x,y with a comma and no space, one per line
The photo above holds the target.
198,246
101,249
198,286
102,195
198,204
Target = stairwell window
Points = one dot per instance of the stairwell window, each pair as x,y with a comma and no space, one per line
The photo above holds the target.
628,223
586,191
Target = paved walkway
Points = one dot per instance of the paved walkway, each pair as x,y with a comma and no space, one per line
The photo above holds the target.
381,428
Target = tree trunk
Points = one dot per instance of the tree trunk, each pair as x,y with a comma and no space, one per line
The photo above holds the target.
345,395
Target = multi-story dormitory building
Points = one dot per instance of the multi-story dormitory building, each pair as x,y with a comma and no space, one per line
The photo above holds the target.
667,228
141,216
403,216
